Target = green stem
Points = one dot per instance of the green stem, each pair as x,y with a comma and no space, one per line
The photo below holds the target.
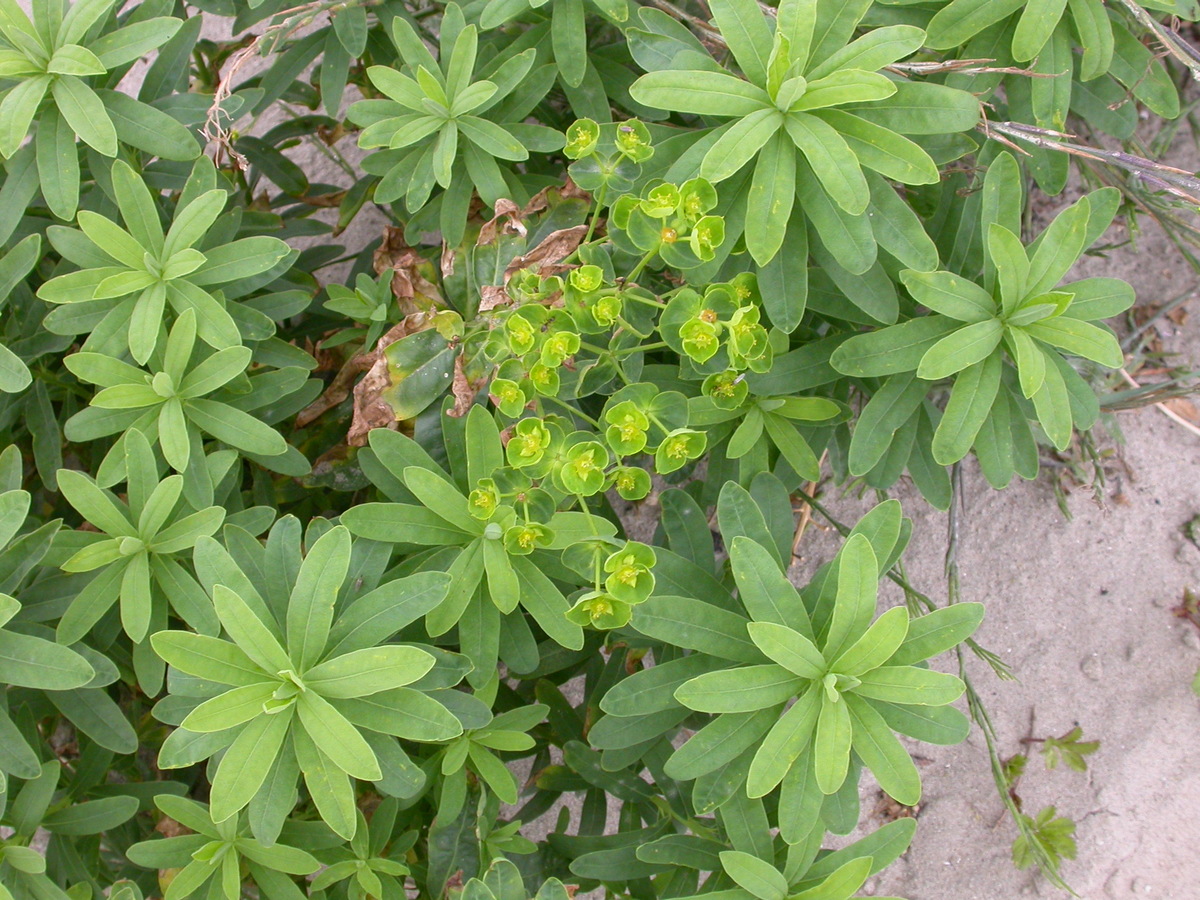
646,300
574,411
601,196
637,270
640,348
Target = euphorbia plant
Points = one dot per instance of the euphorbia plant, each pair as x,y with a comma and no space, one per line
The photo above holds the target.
364,555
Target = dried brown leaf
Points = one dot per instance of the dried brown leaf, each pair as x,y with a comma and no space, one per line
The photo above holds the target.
546,256
507,220
464,389
492,296
414,292
369,410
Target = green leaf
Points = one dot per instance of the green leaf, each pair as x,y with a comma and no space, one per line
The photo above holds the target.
462,61
888,351
193,221
368,671
784,744
546,604
207,657
28,661
1035,26
245,766
759,878
1095,34
92,817
772,190
1079,338
402,523
381,613
58,163
950,295
873,50
85,114
328,785
17,110
792,447
739,143
1098,298
831,159
739,514
909,685
957,22
1058,247
248,631
568,37
942,725
702,93
789,648
94,504
876,645
964,348
746,33
835,25
696,625
783,282
335,737
79,19
29,805
431,490
239,259
653,689
236,428
843,87
228,710
898,229
491,138
883,754
14,507
148,129
889,409
922,108
847,241
719,743
405,713
746,689
1052,403
117,242
857,593
310,607
124,45
1011,264
764,590
831,748
747,435
970,403
137,206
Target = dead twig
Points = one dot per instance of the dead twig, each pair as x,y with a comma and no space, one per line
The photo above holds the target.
287,22
1171,40
1163,408
809,491
1180,182
965,67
